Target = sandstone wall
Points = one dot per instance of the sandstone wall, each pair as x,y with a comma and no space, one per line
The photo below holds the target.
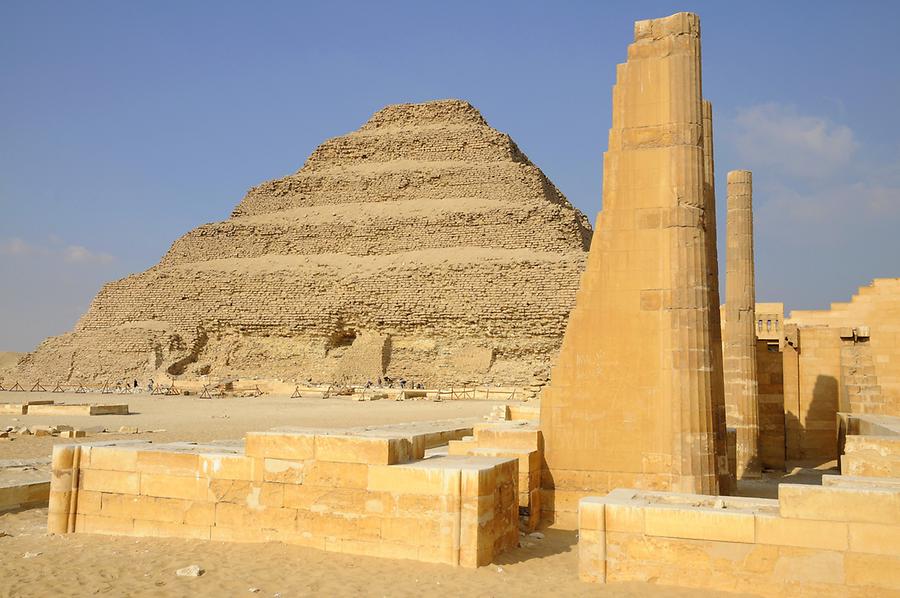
631,402
367,493
425,228
875,313
839,539
770,377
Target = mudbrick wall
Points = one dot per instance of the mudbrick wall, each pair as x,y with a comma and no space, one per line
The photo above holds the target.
424,245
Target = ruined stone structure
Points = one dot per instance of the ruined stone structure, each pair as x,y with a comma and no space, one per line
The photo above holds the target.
424,245
358,492
838,539
631,402
725,474
741,394
843,359
770,386
815,364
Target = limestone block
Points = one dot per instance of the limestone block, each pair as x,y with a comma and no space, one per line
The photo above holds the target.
143,507
275,445
336,475
172,486
500,435
227,467
115,482
356,449
113,458
873,571
833,503
303,497
167,462
713,525
415,531
96,524
412,479
283,471
26,495
200,514
233,491
803,533
875,538
88,502
625,518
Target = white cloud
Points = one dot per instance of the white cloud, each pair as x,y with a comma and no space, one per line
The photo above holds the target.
71,254
15,246
81,254
780,137
842,213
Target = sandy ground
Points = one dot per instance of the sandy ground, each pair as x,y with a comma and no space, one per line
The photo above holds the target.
83,565
204,420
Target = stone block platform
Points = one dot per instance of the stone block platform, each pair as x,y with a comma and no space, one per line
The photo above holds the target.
520,440
869,445
52,408
80,409
838,539
24,483
20,408
366,492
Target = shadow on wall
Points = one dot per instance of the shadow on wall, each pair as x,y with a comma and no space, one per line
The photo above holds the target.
815,436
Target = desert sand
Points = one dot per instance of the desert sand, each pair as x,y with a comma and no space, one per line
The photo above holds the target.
82,564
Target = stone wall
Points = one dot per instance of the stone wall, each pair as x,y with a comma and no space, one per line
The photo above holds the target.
874,313
811,375
367,493
870,446
871,456
770,378
839,539
519,440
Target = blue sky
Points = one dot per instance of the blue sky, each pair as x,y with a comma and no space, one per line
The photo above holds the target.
123,125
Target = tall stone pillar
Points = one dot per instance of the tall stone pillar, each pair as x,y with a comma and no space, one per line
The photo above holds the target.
741,393
630,403
725,477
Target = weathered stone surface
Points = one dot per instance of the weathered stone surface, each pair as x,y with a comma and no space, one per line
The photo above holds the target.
741,388
344,493
631,401
424,245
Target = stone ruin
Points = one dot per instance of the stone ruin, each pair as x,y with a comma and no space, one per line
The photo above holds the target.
635,413
840,538
646,379
425,246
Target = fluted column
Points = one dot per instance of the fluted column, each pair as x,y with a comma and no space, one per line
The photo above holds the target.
630,403
715,323
741,394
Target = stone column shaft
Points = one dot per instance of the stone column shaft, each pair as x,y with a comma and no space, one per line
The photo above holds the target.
630,403
741,392
715,322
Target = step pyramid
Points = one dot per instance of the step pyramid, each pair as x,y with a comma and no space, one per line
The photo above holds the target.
424,245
